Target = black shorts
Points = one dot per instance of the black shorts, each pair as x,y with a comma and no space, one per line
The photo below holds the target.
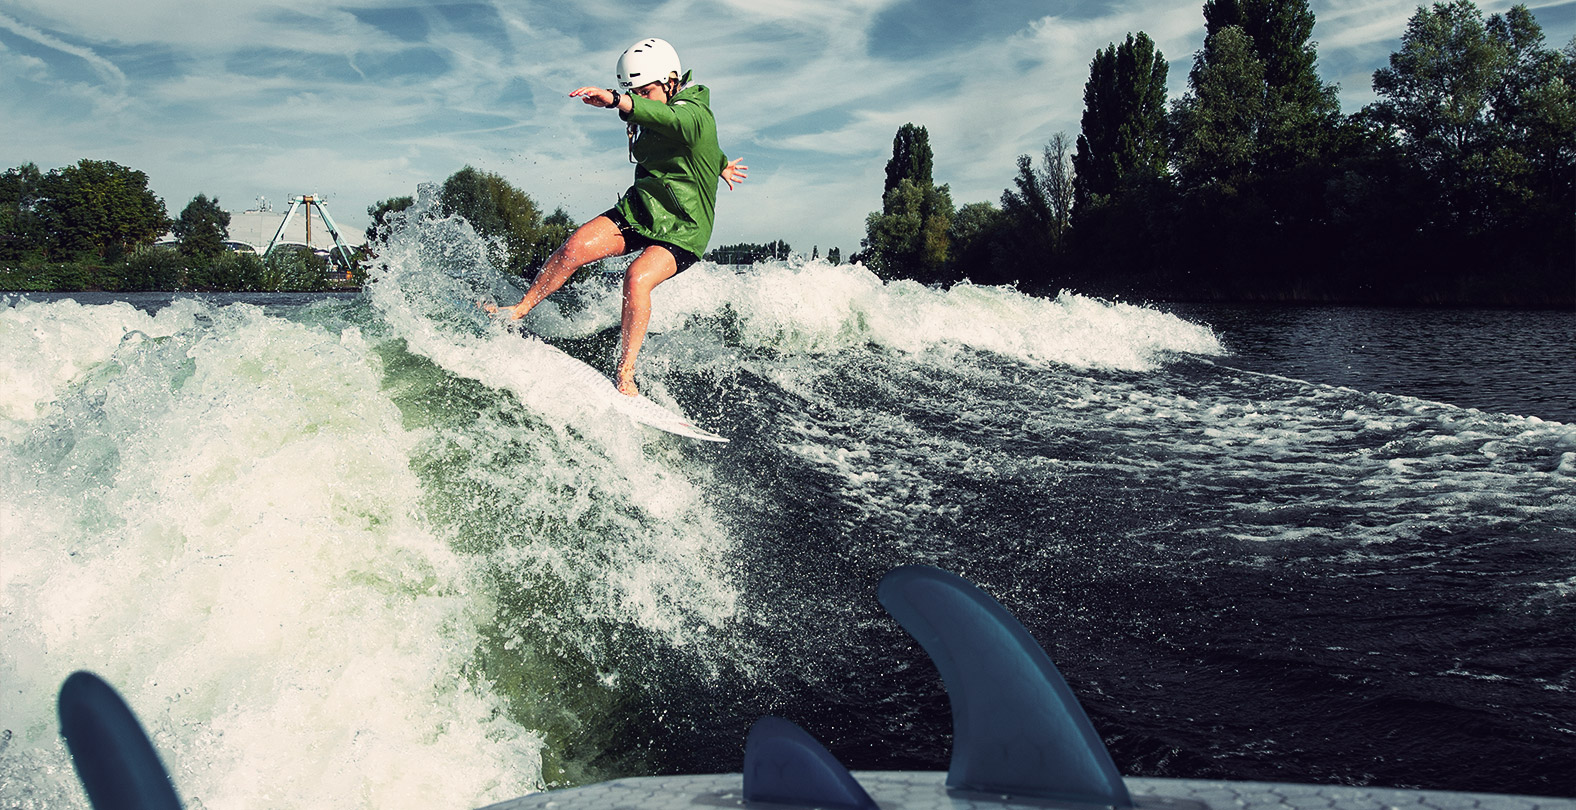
634,241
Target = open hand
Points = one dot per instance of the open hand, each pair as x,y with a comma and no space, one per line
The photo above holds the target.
735,172
595,96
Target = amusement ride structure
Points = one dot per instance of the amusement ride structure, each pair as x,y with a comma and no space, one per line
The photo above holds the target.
311,201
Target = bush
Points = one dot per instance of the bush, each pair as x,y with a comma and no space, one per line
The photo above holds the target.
294,270
154,268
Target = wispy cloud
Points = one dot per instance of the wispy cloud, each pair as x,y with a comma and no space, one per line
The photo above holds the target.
106,69
364,101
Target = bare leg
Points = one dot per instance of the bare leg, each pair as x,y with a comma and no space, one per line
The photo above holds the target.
653,266
597,239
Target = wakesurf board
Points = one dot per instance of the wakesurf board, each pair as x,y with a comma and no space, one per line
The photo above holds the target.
638,409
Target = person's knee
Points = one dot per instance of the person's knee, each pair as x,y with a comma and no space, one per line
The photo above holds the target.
654,266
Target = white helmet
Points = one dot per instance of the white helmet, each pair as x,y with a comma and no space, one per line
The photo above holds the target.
647,61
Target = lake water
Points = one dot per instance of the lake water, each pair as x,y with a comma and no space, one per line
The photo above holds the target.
366,551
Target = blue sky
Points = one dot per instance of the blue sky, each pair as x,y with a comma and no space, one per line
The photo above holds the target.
361,101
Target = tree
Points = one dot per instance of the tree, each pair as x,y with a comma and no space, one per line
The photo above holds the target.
380,214
555,231
911,158
100,207
834,256
152,268
1123,135
1483,110
293,268
1533,110
749,252
500,212
1435,93
21,229
1037,212
1300,110
976,237
1219,120
909,237
202,228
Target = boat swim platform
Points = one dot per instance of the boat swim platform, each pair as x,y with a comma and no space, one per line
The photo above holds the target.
926,790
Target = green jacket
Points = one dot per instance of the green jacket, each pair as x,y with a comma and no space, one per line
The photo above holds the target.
678,165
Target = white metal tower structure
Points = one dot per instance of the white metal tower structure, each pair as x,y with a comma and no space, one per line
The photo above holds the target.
310,201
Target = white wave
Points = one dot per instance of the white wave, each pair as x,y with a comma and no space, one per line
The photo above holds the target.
814,308
221,522
50,347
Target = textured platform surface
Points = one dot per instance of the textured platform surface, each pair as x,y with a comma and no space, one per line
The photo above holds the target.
923,790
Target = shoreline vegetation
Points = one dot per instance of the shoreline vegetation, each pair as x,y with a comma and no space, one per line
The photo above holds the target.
1455,188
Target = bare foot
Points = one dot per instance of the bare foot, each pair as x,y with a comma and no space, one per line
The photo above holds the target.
626,383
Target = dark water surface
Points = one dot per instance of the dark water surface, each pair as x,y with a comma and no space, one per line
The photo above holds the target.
1313,545
1506,361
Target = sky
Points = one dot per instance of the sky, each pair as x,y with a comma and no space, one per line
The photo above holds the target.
362,101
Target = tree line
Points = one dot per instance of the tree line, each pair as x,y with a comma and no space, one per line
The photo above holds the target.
1454,187
93,226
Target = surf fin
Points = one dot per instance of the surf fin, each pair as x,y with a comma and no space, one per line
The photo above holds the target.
113,756
1016,726
783,764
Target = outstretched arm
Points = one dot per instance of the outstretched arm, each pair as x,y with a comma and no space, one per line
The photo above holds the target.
735,172
602,97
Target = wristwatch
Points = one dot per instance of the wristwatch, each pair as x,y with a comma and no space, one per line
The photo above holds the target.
616,95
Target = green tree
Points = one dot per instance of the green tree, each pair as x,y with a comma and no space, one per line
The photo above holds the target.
976,236
202,228
500,212
294,269
834,256
1534,107
1037,213
242,272
101,208
911,158
21,229
1483,110
1300,110
380,213
152,268
909,237
1534,103
556,229
1123,137
1220,118
1436,91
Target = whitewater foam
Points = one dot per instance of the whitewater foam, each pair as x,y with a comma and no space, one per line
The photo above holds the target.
811,307
218,520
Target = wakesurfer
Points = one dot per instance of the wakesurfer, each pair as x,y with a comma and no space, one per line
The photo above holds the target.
667,214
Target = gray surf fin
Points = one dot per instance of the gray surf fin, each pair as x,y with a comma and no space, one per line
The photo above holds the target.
783,764
113,756
1017,728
